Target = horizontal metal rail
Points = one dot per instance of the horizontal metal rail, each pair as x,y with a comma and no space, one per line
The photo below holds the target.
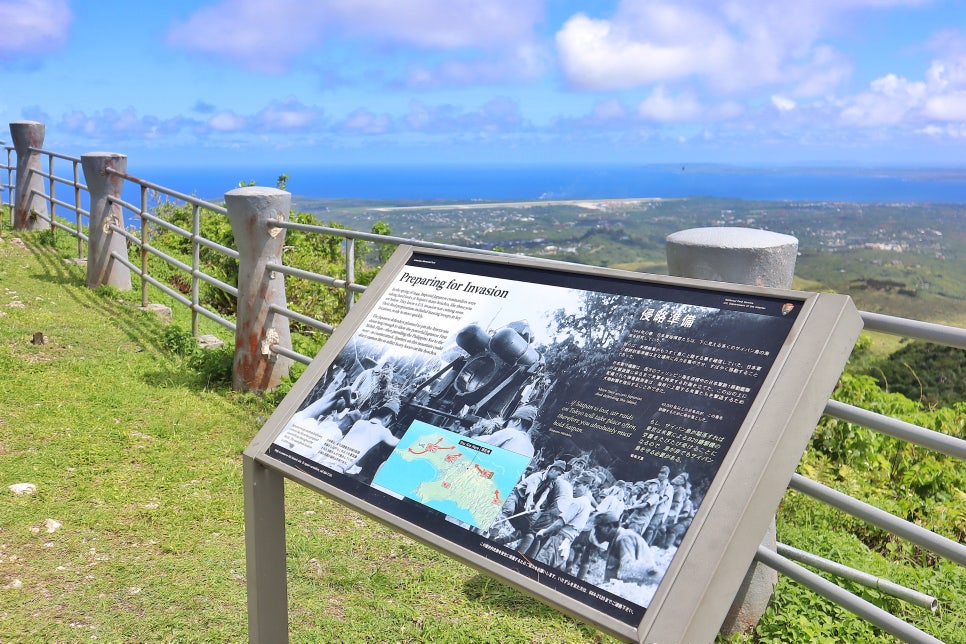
207,205
943,443
77,233
70,182
326,280
870,581
854,604
187,234
927,331
177,263
208,279
918,535
70,206
224,250
377,238
294,355
175,294
56,155
304,319
58,179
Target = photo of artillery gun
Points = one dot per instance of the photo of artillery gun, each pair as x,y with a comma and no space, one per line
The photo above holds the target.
486,381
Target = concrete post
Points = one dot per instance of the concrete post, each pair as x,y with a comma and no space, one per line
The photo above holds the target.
737,255
250,212
30,207
741,256
102,241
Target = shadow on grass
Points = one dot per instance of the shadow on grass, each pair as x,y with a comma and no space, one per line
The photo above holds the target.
497,596
141,327
494,594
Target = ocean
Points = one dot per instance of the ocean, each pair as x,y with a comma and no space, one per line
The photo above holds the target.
552,182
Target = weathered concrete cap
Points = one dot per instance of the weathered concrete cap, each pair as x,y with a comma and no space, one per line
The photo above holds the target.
255,191
731,254
108,155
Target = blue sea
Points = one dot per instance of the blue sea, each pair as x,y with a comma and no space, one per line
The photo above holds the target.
551,182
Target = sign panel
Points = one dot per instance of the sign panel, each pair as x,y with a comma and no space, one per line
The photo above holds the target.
561,429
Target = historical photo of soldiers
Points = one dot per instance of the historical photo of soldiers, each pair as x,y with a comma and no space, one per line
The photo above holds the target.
584,506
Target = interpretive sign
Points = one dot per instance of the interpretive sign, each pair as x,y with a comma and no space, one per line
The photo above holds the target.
611,442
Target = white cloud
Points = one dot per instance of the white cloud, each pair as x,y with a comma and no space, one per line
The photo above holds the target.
365,122
952,131
227,121
268,35
610,110
783,104
279,116
895,100
824,72
729,46
604,54
659,106
263,35
946,107
33,26
684,107
524,62
440,24
117,127
287,115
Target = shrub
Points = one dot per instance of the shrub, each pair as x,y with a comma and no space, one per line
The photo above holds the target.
214,366
179,341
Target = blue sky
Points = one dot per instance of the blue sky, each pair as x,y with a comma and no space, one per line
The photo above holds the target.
361,81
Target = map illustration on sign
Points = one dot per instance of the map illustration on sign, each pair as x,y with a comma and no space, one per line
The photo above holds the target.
463,478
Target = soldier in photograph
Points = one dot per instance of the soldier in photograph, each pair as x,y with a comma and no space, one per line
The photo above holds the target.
528,499
515,434
364,435
629,557
558,537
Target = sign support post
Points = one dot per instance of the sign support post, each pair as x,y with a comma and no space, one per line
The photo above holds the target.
265,553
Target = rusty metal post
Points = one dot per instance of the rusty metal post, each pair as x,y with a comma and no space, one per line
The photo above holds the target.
741,256
251,211
102,241
30,209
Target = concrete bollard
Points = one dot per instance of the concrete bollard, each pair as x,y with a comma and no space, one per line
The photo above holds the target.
740,256
737,255
250,212
30,206
102,241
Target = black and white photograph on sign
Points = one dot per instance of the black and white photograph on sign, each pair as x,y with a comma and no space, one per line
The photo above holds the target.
567,433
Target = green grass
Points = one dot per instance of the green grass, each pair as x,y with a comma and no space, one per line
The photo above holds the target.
141,464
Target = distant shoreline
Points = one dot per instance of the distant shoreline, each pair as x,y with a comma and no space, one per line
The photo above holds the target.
545,183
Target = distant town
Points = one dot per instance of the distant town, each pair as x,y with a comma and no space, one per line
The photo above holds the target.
906,259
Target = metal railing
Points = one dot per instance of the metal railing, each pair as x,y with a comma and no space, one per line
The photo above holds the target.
6,178
142,242
782,560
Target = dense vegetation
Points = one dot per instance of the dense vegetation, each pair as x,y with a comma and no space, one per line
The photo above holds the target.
934,375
